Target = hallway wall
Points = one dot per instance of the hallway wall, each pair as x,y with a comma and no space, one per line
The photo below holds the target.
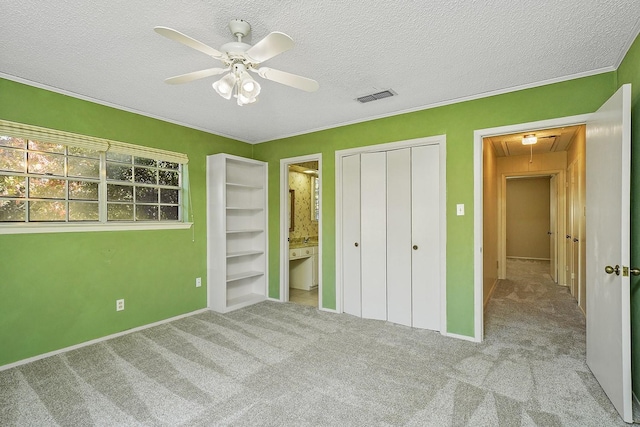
527,218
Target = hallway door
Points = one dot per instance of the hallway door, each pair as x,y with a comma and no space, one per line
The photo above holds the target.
553,227
608,228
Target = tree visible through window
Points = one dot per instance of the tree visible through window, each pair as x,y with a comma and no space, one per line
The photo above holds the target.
48,182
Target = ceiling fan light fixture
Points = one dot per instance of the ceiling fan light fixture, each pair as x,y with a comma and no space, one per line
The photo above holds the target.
224,86
529,139
248,86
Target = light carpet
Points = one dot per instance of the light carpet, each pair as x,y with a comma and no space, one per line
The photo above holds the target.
275,364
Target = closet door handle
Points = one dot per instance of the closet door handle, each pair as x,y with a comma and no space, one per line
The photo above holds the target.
415,247
356,244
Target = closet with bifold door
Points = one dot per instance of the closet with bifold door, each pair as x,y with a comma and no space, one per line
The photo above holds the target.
391,235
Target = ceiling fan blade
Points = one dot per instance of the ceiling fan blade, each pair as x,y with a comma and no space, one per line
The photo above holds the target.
288,79
188,41
270,46
185,78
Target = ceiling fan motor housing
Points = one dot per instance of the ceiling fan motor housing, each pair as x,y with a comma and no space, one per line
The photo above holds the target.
239,28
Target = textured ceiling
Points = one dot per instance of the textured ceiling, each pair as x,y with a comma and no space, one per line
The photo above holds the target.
428,52
549,141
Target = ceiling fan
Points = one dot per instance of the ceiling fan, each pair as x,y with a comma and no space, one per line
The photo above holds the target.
239,58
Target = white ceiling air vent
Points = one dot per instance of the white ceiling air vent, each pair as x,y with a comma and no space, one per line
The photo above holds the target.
376,96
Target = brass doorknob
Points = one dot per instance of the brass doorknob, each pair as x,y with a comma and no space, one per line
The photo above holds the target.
610,270
635,271
415,247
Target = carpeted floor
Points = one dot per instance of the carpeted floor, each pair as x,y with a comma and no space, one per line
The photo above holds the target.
291,365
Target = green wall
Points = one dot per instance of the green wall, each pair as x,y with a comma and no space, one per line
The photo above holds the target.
59,289
458,122
629,72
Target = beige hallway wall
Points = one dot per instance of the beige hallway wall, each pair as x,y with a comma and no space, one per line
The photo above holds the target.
527,217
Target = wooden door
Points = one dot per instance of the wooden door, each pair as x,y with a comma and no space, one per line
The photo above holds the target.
373,251
553,227
399,225
425,226
608,245
351,274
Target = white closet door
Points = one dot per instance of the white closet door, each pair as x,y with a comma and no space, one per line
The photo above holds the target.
399,236
425,224
351,235
374,235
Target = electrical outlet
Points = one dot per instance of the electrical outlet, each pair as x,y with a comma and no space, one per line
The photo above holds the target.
119,305
198,282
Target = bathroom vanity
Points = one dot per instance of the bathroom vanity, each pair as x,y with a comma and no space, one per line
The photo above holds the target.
303,267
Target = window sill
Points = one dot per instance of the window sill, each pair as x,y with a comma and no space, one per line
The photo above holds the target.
74,228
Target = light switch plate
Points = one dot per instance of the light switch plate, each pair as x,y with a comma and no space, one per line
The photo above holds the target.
460,209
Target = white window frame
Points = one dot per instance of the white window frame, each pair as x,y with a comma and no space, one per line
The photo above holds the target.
20,130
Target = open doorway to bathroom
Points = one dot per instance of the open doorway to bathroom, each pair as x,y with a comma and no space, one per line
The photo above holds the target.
301,255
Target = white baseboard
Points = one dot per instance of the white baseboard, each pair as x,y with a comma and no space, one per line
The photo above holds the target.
97,340
461,337
328,310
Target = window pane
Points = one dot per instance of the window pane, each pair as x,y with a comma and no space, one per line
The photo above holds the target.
83,152
168,196
9,141
117,172
124,158
46,164
145,176
12,160
12,210
46,146
146,194
169,213
80,166
12,186
168,165
168,178
144,161
119,193
79,211
83,190
146,212
45,188
47,211
119,212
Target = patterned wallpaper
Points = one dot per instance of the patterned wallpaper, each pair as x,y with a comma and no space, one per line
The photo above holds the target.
303,226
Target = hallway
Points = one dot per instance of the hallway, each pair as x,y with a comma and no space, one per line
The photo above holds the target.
532,323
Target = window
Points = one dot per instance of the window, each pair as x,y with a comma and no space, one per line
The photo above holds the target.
59,178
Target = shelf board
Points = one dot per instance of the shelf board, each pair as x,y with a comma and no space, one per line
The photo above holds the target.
244,301
249,230
247,186
244,275
243,253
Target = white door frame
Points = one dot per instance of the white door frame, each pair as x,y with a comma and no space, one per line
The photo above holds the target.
284,228
478,137
441,140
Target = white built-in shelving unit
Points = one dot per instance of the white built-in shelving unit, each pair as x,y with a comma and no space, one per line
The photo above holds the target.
236,232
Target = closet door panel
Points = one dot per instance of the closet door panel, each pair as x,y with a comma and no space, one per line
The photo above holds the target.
399,236
374,235
425,224
351,299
